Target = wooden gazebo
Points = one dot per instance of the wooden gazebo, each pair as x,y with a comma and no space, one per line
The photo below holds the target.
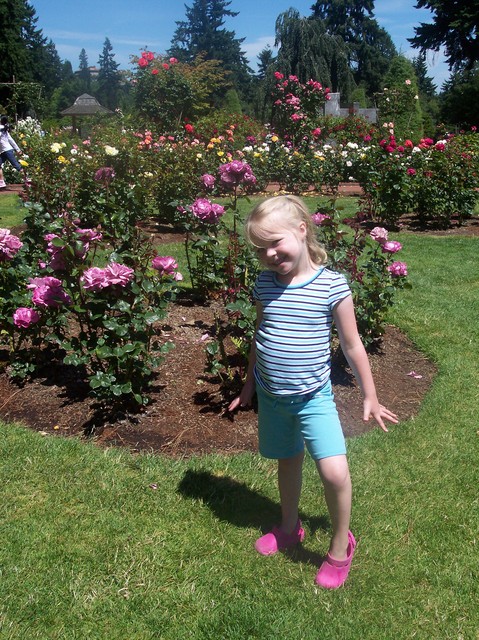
85,105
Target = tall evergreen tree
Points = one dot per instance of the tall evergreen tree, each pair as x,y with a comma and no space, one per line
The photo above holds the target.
370,48
425,83
263,85
455,27
27,57
203,32
108,77
266,59
84,72
459,99
427,95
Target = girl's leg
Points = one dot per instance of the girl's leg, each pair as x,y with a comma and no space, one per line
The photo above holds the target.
290,473
334,472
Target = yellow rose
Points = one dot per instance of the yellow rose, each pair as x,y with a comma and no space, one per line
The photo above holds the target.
274,139
220,153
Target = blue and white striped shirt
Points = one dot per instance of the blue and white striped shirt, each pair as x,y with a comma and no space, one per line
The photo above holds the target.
293,352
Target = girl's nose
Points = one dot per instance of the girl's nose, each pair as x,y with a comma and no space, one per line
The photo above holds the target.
270,252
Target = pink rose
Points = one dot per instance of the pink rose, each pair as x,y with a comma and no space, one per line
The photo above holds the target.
379,234
318,218
206,211
95,279
105,174
24,317
9,245
88,235
47,281
392,246
48,292
235,172
208,180
167,266
411,172
119,274
397,269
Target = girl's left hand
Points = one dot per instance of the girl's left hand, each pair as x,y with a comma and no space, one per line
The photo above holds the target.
379,413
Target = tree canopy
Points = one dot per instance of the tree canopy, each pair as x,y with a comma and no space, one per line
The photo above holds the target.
369,47
455,27
307,51
203,33
27,58
108,78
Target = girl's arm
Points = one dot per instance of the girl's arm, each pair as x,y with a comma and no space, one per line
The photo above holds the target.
355,353
13,143
247,392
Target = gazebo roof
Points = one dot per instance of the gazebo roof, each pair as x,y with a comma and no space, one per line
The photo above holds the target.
85,105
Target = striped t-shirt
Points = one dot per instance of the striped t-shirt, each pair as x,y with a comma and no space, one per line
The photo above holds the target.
293,353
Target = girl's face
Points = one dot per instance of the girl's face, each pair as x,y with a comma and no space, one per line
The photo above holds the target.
283,250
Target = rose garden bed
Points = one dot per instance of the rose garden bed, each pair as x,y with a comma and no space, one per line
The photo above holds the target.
187,414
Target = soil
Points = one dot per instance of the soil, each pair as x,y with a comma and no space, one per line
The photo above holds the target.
188,413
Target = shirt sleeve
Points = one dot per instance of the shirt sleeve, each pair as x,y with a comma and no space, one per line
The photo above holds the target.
13,143
339,289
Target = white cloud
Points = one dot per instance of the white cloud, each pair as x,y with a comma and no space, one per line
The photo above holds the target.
252,49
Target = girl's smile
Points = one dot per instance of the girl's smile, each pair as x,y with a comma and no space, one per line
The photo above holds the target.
285,252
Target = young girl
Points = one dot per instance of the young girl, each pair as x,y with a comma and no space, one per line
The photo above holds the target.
8,147
297,298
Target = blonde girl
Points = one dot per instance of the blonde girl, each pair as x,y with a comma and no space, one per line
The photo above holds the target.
297,299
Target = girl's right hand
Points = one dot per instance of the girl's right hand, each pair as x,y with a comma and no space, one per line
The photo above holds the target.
244,399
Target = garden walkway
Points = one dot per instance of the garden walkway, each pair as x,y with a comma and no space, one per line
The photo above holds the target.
345,188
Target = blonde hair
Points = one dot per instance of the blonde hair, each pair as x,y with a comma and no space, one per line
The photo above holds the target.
287,211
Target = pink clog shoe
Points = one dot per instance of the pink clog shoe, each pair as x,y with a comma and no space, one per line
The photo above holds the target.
277,540
333,573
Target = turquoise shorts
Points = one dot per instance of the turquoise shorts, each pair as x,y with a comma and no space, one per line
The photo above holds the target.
287,423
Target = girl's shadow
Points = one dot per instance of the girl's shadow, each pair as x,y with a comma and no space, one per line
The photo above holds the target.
234,502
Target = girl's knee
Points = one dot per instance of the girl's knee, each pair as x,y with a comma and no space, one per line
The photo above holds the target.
334,471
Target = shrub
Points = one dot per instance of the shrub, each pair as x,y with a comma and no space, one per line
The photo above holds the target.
368,262
87,303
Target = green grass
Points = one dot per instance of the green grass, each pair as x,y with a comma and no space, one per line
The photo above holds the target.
11,211
90,550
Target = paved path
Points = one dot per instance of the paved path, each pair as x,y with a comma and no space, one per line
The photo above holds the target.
345,188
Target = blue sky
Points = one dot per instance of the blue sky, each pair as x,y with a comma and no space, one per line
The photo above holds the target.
131,27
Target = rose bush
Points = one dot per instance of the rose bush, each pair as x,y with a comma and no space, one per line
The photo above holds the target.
86,303
366,259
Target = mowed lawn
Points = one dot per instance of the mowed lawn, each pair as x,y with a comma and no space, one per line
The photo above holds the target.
104,544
